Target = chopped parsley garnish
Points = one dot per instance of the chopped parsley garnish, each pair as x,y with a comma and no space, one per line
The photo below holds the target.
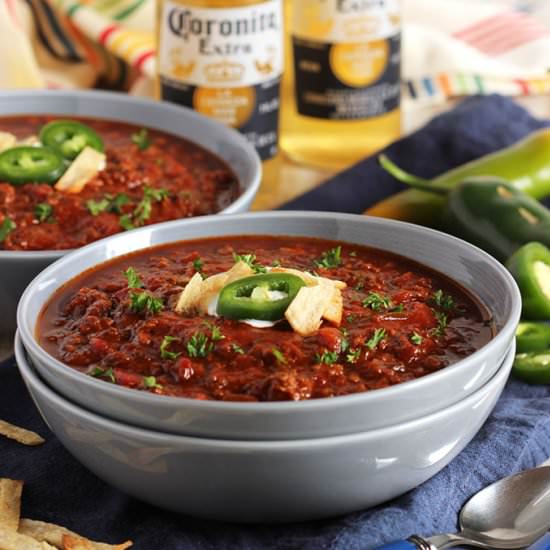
353,355
237,349
43,211
443,300
416,338
165,353
327,357
125,221
376,338
250,260
98,372
107,204
118,202
96,207
142,212
330,258
198,264
6,228
281,359
344,344
376,301
133,278
216,334
141,139
442,322
199,345
143,301
151,382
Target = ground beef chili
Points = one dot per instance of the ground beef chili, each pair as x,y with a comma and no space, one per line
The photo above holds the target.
191,180
401,321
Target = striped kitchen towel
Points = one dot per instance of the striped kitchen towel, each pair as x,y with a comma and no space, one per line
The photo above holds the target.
455,48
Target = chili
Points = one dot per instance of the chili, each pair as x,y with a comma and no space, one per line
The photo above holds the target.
263,297
532,367
532,337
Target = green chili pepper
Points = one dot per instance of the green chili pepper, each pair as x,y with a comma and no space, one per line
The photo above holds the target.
492,214
69,137
532,367
530,266
28,164
532,337
525,164
264,297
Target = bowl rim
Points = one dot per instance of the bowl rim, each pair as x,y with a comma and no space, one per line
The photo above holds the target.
30,376
142,103
169,402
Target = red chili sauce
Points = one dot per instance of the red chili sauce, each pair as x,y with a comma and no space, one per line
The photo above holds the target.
195,181
401,321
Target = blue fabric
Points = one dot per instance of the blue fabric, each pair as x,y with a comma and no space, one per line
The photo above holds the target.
515,437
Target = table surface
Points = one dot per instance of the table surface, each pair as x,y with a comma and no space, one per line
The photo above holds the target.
285,179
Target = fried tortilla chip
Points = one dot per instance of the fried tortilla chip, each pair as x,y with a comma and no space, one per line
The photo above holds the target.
333,311
81,170
308,278
306,310
75,543
55,534
12,540
10,503
26,437
190,295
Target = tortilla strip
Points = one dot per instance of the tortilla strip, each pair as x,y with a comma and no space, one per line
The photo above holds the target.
10,503
26,437
308,278
190,295
7,141
53,534
75,543
306,310
81,170
333,311
12,540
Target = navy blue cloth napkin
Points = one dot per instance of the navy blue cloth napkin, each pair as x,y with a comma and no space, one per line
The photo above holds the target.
516,436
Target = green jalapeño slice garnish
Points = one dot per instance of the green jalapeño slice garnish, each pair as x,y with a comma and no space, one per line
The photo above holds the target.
264,297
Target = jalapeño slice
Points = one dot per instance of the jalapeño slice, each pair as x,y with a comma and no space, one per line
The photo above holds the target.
28,164
533,337
264,297
69,137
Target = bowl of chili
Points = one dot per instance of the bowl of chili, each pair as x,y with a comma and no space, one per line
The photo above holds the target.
426,319
77,166
264,481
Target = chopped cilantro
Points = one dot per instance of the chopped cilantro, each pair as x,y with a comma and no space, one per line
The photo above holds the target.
142,211
398,308
442,322
353,355
98,372
376,301
443,300
107,204
133,278
141,139
378,335
198,264
199,345
250,260
359,286
96,207
350,318
281,359
330,258
118,202
237,349
164,352
216,334
143,301
327,357
125,221
6,228
151,382
416,338
43,211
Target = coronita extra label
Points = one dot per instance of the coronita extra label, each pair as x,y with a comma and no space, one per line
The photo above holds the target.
346,58
225,63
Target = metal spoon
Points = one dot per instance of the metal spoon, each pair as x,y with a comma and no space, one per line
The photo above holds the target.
511,513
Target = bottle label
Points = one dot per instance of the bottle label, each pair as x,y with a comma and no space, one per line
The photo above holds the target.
346,58
226,64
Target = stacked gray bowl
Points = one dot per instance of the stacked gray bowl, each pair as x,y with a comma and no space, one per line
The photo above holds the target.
286,461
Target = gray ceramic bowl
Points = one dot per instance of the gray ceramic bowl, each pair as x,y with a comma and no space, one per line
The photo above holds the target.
466,264
17,269
265,481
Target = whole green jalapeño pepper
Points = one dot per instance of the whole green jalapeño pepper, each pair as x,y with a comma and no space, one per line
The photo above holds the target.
492,214
525,164
532,367
530,266
264,297
69,137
